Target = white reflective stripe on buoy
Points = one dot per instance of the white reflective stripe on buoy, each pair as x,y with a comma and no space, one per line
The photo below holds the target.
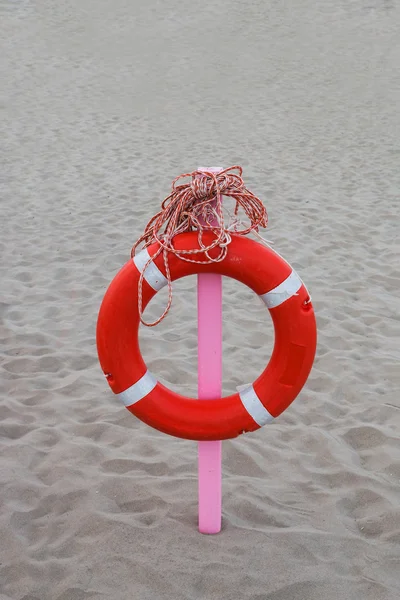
255,407
152,274
282,292
138,390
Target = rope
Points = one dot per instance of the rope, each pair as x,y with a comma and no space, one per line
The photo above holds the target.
197,206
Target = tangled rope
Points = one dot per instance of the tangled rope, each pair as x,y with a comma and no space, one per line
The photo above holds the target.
197,206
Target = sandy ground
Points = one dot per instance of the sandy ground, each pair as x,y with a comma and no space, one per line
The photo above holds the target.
103,103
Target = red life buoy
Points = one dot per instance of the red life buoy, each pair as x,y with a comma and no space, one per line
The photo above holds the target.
284,294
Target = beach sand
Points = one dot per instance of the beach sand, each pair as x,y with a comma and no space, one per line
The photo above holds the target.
103,103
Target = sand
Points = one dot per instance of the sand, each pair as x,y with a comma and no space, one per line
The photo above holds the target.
103,104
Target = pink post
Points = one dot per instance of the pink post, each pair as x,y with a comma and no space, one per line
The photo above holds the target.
209,312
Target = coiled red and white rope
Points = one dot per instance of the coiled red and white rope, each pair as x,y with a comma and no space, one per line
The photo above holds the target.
197,206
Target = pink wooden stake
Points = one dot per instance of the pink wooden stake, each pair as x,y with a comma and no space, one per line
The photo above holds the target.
209,313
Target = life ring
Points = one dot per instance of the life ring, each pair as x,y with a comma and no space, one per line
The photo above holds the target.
289,304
